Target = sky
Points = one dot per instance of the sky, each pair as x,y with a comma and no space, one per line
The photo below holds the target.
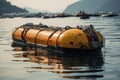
44,5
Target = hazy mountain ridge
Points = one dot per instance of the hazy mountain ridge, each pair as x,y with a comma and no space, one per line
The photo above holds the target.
31,10
111,6
92,6
6,7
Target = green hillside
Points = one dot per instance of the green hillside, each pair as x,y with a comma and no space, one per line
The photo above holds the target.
6,7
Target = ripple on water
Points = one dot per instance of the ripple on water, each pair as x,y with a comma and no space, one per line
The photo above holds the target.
29,65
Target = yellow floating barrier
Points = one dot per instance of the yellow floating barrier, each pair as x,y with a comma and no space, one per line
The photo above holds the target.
68,39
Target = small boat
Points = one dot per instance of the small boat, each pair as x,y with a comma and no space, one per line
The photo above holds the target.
109,15
67,39
84,17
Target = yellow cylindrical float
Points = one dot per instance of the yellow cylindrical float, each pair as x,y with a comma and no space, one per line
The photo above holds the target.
70,38
17,34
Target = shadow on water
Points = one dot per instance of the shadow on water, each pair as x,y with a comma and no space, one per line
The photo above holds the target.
71,66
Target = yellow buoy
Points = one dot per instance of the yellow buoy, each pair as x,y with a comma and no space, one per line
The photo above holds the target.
65,39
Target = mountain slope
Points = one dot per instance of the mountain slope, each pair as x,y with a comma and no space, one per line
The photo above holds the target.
86,5
31,10
6,7
111,6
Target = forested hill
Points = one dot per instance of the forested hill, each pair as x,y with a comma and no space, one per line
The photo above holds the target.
92,6
6,7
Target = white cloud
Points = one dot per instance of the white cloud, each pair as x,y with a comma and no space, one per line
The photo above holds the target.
50,5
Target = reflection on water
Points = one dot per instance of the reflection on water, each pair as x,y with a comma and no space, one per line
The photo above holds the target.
72,66
27,66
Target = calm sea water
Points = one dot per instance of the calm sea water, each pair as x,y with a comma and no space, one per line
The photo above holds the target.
18,64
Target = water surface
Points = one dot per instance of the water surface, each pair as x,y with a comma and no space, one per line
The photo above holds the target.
19,64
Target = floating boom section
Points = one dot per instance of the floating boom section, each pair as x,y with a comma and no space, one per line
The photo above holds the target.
66,38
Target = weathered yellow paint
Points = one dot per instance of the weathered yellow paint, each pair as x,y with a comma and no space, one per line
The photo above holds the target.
42,38
73,38
100,37
17,33
30,35
53,39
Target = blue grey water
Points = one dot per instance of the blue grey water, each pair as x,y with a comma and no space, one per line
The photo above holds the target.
15,64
